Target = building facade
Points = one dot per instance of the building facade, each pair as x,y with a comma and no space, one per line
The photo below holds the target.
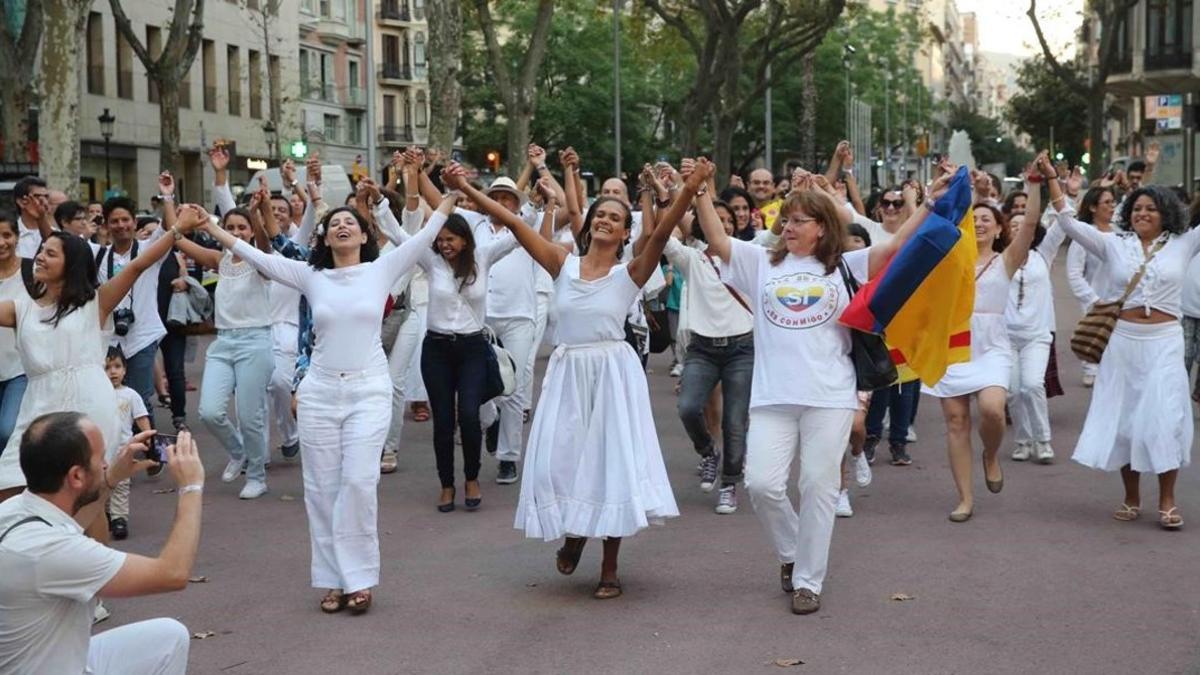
401,76
333,76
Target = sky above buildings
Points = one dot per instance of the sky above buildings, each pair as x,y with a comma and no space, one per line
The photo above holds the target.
1004,27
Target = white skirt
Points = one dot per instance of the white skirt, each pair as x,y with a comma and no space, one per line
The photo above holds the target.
1140,412
593,466
990,364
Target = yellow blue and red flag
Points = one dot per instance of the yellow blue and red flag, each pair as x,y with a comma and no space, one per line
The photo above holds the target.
923,299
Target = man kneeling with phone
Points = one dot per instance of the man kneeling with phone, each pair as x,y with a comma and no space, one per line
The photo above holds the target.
50,573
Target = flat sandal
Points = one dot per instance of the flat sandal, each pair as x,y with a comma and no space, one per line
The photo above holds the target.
607,590
1127,513
334,601
1170,519
359,602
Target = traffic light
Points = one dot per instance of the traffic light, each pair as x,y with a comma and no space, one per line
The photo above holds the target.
493,160
299,149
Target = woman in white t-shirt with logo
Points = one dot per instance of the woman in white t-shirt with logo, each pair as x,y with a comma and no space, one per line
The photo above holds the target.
803,398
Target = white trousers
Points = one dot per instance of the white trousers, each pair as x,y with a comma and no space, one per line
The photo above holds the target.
343,420
279,389
542,319
414,330
777,435
517,335
154,647
403,363
1027,392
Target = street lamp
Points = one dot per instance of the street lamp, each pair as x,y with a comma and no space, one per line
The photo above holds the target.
106,120
272,135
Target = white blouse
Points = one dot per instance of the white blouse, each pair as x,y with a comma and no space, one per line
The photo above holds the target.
243,296
455,310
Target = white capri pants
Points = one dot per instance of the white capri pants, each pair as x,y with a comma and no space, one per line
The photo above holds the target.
279,389
542,320
517,335
1027,392
343,420
777,435
154,647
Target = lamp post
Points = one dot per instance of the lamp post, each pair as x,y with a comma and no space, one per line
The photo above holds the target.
272,135
107,120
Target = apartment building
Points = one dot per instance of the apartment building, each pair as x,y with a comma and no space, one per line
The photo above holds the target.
332,68
240,86
402,76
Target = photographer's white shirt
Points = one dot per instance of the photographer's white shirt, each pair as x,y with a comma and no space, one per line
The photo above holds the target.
49,577
147,327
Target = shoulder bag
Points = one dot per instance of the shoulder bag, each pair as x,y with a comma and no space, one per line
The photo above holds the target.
501,375
873,367
1095,328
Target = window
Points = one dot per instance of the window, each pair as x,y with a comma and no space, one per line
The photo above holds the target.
422,111
273,80
185,90
233,73
1169,34
323,8
331,128
308,6
95,54
305,74
354,95
208,74
154,47
124,68
354,124
389,111
391,49
255,67
339,10
419,10
419,52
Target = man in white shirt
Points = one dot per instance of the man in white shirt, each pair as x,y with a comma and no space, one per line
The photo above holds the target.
51,573
35,220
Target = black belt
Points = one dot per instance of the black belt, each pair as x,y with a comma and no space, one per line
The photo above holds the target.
452,336
721,341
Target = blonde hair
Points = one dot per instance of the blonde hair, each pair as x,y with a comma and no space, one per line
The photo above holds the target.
818,205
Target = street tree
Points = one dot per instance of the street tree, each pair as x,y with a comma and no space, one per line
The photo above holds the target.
1109,17
262,15
168,68
18,75
516,80
445,67
739,48
1046,110
60,65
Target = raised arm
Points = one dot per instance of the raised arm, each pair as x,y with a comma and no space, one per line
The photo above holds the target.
549,256
292,273
645,262
218,157
855,196
835,162
1085,235
400,260
880,254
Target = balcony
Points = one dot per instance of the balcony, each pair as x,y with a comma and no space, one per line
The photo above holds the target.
1168,58
353,97
1151,72
395,136
318,91
394,11
400,72
334,31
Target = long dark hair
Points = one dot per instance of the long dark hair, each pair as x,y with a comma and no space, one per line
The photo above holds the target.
583,241
464,265
79,276
1087,207
1171,211
321,256
1001,242
239,211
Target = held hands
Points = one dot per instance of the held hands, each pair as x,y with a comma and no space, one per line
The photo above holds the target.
546,189
844,154
1044,167
218,156
569,159
536,155
801,180
1075,181
183,460
1153,153
166,184
454,176
368,189
700,174
312,168
191,216
287,171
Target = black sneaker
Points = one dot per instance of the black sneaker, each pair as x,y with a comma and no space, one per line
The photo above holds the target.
491,437
869,448
290,451
180,423
900,455
119,528
507,474
708,471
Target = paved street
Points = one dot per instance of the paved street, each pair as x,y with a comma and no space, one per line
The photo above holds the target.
1041,580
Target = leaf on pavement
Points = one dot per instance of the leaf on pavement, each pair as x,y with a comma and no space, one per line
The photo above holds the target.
787,663
901,597
203,635
287,498
198,580
164,491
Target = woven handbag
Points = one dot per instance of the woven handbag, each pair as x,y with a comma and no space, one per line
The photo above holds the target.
1096,327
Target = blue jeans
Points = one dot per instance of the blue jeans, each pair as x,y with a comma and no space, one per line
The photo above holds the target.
11,393
898,402
239,364
455,372
708,361
139,375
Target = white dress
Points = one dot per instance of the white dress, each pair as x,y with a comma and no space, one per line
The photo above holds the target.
65,367
593,466
991,352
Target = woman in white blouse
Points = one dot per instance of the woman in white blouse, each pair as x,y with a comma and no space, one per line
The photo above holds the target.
1140,417
239,362
1096,209
344,402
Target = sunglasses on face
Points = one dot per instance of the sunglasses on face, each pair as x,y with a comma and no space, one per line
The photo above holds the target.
891,203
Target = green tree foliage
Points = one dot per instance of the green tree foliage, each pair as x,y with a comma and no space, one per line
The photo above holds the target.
1043,103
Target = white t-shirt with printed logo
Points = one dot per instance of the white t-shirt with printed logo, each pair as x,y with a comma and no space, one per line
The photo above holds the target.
802,353
130,407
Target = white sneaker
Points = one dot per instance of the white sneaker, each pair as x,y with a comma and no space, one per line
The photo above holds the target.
232,470
1089,380
253,489
843,505
100,613
862,470
1023,451
912,435
727,502
677,370
1045,453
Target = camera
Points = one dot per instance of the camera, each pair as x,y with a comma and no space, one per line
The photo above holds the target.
158,448
122,320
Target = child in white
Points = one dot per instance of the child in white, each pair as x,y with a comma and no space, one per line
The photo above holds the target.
131,410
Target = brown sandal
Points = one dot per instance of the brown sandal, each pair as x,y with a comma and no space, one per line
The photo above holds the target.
567,557
359,602
420,411
607,590
334,601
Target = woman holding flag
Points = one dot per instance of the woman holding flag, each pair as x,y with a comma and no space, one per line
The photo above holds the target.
804,404
986,375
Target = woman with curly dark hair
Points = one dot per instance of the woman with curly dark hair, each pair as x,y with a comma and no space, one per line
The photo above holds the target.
344,403
1140,417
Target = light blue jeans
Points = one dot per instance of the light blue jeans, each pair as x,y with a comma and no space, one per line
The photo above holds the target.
239,364
11,393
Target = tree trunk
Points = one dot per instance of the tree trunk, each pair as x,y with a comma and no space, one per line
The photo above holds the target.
1099,149
169,158
723,127
808,116
14,110
58,118
517,131
445,64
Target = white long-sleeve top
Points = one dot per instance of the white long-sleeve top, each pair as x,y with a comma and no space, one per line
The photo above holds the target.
1030,310
347,302
452,310
1082,268
1121,255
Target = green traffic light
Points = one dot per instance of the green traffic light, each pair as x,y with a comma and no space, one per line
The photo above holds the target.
299,149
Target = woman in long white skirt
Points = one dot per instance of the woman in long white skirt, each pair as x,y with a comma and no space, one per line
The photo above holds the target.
593,466
1096,208
987,375
1140,417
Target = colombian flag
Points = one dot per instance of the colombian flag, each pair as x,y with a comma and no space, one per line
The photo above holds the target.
923,300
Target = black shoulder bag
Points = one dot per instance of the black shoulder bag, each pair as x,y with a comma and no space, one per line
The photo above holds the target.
873,367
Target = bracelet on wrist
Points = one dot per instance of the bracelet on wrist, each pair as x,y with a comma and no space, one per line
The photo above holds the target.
194,487
167,198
